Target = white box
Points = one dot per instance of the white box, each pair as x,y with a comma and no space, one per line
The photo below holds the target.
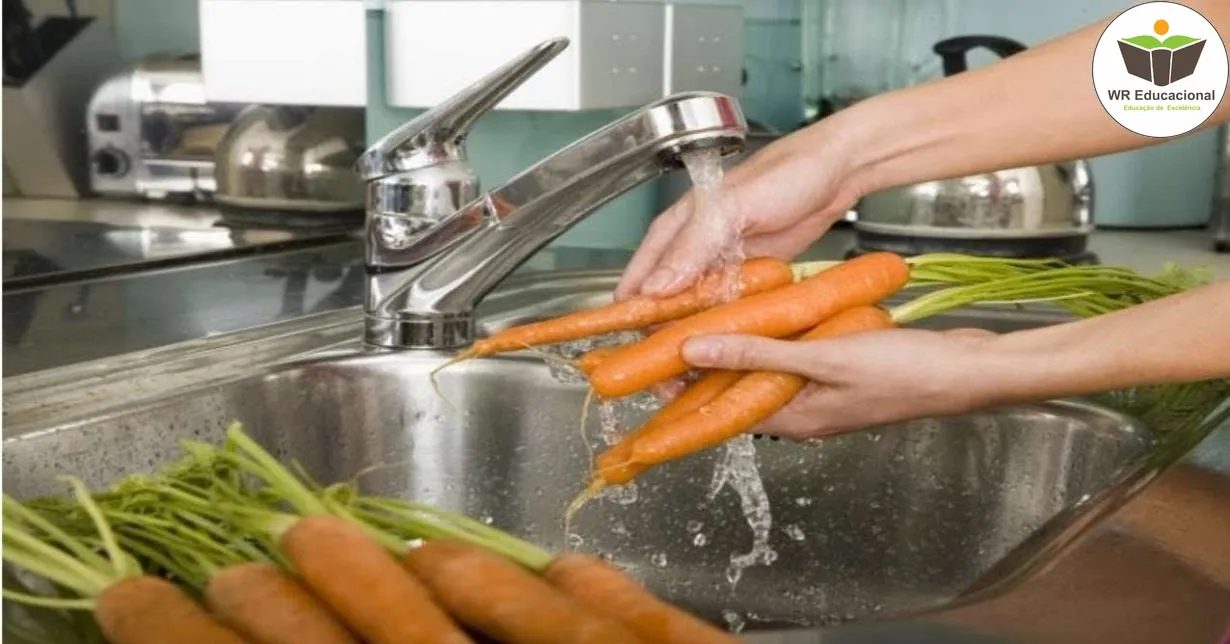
437,47
704,48
289,52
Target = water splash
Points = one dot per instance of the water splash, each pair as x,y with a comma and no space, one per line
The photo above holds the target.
740,471
734,622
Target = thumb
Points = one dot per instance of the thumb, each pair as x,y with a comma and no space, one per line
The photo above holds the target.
744,353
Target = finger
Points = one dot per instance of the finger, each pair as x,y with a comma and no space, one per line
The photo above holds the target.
744,353
657,239
668,390
714,227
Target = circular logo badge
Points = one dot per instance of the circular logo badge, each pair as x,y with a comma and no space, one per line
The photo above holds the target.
1160,69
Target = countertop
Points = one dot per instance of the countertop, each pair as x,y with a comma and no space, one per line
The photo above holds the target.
125,276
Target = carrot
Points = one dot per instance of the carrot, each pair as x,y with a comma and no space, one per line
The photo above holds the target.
149,610
605,589
505,601
751,400
862,281
362,582
269,606
129,606
755,276
612,467
590,361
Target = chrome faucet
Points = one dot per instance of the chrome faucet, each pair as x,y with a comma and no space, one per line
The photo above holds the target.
436,246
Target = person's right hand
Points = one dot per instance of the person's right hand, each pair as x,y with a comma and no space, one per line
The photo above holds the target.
781,200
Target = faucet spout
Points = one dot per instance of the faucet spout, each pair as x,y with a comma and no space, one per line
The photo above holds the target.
426,274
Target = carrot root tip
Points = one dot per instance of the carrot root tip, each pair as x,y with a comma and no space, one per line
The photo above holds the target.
434,376
592,490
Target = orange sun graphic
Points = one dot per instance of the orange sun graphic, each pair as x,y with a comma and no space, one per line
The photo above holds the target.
1161,27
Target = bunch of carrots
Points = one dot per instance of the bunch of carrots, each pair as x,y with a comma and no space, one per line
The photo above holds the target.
805,302
229,546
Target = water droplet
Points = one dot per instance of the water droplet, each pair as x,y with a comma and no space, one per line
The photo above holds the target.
575,540
734,622
488,519
695,526
804,501
658,560
795,532
618,528
700,540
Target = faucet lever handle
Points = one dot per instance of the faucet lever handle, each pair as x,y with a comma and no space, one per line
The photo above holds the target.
438,134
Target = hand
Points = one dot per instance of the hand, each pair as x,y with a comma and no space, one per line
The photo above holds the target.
861,381
778,202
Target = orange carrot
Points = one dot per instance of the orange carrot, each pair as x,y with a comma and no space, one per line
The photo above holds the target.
751,400
590,361
862,281
363,583
505,601
269,606
612,467
605,589
149,610
755,276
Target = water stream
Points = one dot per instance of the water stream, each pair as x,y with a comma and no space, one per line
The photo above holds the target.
718,220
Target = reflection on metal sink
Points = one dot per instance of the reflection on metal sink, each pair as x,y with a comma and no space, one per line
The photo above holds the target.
886,523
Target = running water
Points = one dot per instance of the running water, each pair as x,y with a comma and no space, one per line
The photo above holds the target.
718,218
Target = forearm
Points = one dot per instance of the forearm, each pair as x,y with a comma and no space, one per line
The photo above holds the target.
1036,107
1183,338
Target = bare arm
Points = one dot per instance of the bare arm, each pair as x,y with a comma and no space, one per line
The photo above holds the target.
890,376
977,121
1183,338
1036,107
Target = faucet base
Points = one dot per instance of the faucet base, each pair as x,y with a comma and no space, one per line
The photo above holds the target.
439,331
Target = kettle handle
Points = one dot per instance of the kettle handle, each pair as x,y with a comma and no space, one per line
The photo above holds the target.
953,50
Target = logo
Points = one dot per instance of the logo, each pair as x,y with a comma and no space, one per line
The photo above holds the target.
1160,69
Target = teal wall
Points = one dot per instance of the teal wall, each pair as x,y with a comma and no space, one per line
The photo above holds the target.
145,27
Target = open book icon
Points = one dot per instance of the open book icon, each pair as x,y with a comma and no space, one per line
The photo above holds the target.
1161,62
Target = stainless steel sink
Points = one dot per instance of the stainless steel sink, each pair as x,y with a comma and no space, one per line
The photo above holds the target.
882,524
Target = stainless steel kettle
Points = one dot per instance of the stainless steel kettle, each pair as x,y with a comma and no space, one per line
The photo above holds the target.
1036,211
291,159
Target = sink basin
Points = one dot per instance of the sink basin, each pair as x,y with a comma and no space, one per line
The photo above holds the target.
894,522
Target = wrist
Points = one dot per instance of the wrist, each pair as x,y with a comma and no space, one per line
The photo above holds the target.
1040,364
887,138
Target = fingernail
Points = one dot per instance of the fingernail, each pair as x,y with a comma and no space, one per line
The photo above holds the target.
659,281
701,352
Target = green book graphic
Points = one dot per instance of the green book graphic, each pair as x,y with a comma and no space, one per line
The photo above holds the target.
1161,62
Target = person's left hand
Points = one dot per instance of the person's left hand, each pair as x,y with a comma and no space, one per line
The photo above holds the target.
866,380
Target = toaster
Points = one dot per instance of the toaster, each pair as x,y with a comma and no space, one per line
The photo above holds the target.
151,133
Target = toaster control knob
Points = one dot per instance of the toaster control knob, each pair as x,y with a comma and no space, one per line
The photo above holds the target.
110,162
